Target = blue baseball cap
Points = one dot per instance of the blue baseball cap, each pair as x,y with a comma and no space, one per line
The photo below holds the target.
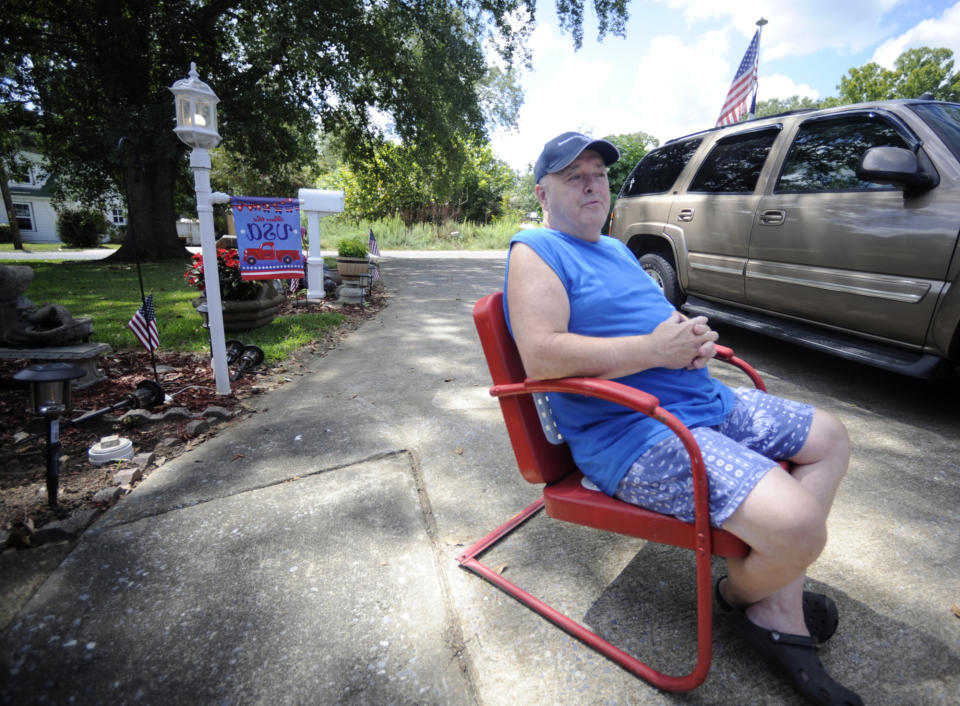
563,149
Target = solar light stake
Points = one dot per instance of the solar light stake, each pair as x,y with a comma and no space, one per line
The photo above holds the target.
50,397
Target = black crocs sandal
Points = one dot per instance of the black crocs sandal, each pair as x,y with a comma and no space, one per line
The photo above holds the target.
819,612
795,656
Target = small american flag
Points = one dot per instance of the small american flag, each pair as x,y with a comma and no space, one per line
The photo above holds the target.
144,325
744,83
375,251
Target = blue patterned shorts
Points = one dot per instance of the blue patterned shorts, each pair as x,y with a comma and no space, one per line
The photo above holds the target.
737,454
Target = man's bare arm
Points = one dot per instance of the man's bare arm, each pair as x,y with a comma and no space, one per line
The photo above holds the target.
539,316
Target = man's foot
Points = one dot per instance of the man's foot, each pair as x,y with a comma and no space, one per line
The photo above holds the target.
819,612
795,657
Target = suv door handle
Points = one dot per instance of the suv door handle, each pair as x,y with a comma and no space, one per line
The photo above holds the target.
685,215
773,218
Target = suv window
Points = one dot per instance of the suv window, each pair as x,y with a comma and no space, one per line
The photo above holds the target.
734,163
944,119
825,153
659,168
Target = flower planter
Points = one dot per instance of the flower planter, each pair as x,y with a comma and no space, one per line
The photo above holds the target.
353,266
249,314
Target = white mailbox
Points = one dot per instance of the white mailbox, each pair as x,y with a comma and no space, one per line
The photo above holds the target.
317,203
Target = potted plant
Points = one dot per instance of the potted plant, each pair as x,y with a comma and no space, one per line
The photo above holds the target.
247,304
352,259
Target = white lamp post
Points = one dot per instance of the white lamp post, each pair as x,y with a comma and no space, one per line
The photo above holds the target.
195,106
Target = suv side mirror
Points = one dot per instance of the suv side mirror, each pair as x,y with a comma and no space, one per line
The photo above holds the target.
897,166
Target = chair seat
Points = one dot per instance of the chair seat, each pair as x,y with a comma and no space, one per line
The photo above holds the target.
570,501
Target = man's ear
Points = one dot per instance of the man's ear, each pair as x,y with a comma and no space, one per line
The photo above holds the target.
541,195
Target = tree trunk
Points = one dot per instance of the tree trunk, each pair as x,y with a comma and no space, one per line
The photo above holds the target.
11,211
151,216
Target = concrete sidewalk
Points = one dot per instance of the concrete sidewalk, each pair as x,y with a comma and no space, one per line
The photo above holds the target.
307,555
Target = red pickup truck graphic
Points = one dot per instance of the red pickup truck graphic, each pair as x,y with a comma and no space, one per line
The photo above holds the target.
267,252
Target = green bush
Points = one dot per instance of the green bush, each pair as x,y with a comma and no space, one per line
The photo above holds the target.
81,227
6,234
352,247
117,234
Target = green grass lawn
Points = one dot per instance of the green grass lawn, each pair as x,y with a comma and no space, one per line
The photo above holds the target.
110,294
49,247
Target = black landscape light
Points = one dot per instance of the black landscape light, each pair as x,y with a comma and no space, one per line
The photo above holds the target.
50,397
146,395
234,351
251,356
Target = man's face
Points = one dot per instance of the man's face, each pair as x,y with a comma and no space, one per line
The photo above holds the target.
576,199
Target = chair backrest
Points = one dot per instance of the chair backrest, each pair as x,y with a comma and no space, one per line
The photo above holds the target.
538,459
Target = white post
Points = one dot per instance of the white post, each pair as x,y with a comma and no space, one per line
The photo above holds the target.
200,163
317,203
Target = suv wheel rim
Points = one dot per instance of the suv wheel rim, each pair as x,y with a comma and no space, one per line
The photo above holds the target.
655,275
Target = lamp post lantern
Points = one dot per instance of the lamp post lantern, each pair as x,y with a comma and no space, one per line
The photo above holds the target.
195,108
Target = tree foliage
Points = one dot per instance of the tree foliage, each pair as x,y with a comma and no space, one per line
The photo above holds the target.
773,106
393,182
633,147
915,72
99,70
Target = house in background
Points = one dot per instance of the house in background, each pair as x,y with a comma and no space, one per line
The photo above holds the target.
32,204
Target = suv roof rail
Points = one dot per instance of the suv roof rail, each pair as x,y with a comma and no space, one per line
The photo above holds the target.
741,123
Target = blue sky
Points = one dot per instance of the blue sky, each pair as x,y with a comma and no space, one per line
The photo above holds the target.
669,75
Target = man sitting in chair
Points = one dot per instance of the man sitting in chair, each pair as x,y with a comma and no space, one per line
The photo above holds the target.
579,305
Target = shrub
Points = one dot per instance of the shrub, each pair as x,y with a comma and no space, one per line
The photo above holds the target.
352,247
117,234
81,227
6,234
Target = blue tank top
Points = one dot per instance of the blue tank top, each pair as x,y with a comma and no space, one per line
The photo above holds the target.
610,295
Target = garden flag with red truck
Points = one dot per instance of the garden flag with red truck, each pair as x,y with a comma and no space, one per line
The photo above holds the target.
268,237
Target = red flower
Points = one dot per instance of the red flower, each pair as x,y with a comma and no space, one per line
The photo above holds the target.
232,286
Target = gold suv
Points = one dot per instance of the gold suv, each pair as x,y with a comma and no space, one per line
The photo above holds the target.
836,229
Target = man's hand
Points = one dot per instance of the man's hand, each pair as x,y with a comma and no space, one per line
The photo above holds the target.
684,343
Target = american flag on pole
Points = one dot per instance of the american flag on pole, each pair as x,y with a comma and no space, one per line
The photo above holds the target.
744,84
375,252
144,325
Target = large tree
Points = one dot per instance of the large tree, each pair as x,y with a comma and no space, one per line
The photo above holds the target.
915,72
97,71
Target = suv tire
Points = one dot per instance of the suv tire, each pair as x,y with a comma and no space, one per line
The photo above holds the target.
664,274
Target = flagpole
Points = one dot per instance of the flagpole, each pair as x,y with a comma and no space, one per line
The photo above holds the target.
753,104
136,248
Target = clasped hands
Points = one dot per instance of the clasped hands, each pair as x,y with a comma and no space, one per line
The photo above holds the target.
685,343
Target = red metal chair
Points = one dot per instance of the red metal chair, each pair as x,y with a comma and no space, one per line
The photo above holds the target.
566,498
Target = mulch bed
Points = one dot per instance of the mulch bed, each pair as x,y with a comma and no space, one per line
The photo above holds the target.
186,377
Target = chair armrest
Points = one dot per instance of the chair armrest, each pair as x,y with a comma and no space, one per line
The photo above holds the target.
726,355
639,401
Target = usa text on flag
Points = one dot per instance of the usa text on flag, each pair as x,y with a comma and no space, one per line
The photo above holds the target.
144,325
744,84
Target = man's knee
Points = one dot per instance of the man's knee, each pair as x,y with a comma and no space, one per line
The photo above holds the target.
828,439
782,519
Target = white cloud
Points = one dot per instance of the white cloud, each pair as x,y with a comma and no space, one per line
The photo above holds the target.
795,29
780,86
678,88
943,31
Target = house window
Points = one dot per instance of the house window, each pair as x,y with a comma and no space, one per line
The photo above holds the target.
24,213
118,217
